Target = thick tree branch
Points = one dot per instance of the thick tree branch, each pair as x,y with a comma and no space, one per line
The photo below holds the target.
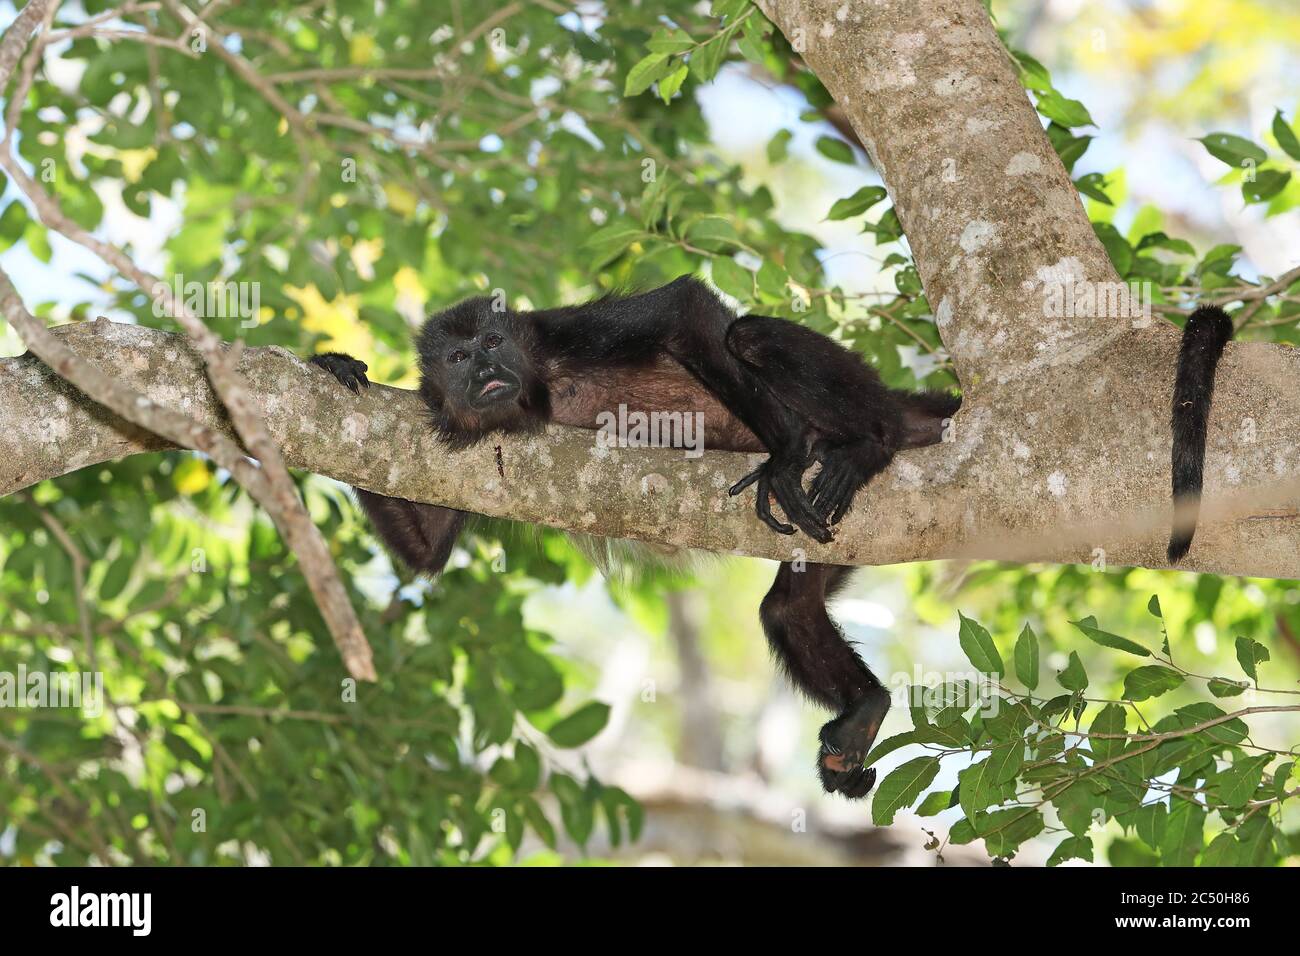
974,497
989,211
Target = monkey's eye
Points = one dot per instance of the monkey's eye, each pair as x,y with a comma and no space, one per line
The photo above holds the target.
491,340
457,356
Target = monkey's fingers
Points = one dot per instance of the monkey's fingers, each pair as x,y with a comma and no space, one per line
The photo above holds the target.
832,494
347,371
794,502
764,508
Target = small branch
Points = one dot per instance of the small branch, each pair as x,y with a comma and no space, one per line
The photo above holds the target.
108,391
275,491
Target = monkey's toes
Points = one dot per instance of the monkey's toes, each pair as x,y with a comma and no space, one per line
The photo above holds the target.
840,775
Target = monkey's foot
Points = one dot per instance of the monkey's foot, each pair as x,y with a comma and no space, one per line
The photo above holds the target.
781,477
349,371
845,742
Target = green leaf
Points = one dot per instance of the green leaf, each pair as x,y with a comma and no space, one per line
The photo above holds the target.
1033,75
1223,687
1129,853
671,83
934,803
580,726
1285,136
712,233
908,281
1150,681
752,48
1004,830
38,241
890,745
1093,185
733,278
1006,760
1280,778
1057,108
778,147
857,204
900,789
707,58
1071,148
887,229
1266,184
649,68
669,41
1149,822
1234,786
772,280
979,647
978,787
728,9
118,573
1109,721
1233,150
529,766
1250,654
1026,657
1071,848
1117,247
836,149
1158,240
1255,839
1153,606
611,241
962,832
1182,838
1089,627
1074,677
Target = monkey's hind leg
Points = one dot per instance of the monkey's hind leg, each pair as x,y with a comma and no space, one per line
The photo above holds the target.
813,652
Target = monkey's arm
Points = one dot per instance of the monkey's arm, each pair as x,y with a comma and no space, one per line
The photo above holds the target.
421,536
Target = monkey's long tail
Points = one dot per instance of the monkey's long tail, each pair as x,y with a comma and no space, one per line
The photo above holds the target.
1204,337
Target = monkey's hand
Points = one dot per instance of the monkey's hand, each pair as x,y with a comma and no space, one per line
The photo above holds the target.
781,476
349,371
845,470
846,740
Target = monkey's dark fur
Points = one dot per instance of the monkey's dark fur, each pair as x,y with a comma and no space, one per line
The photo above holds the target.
763,384
1204,337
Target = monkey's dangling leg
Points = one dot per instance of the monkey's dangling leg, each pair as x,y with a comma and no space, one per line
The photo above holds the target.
812,651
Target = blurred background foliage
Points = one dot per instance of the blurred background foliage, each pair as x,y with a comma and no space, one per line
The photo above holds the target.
390,159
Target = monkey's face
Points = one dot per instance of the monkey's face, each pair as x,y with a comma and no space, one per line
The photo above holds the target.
484,371
479,372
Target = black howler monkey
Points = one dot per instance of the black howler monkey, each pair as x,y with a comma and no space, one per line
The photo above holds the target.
762,384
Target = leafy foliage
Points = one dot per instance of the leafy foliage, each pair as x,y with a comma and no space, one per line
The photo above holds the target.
552,158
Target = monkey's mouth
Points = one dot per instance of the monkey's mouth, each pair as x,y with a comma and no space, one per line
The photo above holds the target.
495,391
